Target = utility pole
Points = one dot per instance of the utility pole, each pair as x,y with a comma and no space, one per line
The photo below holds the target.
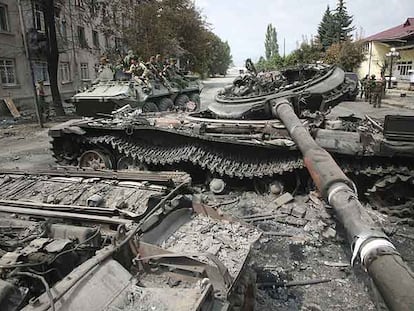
29,58
284,47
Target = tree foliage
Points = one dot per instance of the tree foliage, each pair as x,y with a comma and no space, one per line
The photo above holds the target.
335,26
271,45
347,55
326,29
219,57
172,28
343,23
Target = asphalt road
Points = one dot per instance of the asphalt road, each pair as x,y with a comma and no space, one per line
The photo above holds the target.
27,146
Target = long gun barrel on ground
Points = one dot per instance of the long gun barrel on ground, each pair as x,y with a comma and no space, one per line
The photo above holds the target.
392,277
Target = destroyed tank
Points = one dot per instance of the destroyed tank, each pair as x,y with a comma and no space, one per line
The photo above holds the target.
319,87
248,143
113,91
135,241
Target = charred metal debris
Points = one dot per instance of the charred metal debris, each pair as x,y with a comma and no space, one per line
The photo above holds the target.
130,241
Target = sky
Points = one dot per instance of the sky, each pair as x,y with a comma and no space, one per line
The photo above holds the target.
243,22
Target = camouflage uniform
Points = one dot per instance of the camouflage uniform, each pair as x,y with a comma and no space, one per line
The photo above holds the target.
173,74
364,87
376,92
370,86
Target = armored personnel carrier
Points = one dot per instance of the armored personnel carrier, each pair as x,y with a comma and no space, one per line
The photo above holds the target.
113,91
135,241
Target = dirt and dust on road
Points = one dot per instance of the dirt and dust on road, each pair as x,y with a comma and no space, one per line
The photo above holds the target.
302,259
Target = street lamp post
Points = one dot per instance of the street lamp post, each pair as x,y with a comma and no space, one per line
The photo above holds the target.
391,54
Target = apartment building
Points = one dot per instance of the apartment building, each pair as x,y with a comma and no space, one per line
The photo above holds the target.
85,31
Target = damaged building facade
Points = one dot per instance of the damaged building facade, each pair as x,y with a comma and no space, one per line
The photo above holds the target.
85,30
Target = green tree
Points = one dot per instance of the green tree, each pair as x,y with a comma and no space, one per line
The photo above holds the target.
307,53
342,23
171,28
348,55
271,46
326,29
219,57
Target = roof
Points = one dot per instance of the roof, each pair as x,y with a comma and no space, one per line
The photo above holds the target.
398,32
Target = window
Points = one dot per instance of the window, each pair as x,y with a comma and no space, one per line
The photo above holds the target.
84,67
39,22
404,66
64,72
7,72
40,71
79,3
4,18
81,37
95,37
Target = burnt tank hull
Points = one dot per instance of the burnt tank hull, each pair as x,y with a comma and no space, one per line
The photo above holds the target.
319,88
75,234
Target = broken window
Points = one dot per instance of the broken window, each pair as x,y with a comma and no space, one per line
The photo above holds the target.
4,18
7,71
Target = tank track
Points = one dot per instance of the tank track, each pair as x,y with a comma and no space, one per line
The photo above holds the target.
241,166
221,163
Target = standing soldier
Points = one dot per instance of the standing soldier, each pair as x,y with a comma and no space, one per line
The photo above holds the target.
364,86
370,87
377,93
43,106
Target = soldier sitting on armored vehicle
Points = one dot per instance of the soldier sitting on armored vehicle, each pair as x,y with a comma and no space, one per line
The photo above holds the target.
138,70
159,64
105,71
173,74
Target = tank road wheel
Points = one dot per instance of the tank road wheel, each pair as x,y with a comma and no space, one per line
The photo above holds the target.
149,107
181,101
127,163
95,159
166,104
393,195
267,185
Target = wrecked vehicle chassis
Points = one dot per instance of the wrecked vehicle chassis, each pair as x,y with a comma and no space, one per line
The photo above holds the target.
69,235
256,150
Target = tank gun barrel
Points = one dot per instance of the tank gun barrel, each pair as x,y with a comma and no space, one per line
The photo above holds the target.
391,275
